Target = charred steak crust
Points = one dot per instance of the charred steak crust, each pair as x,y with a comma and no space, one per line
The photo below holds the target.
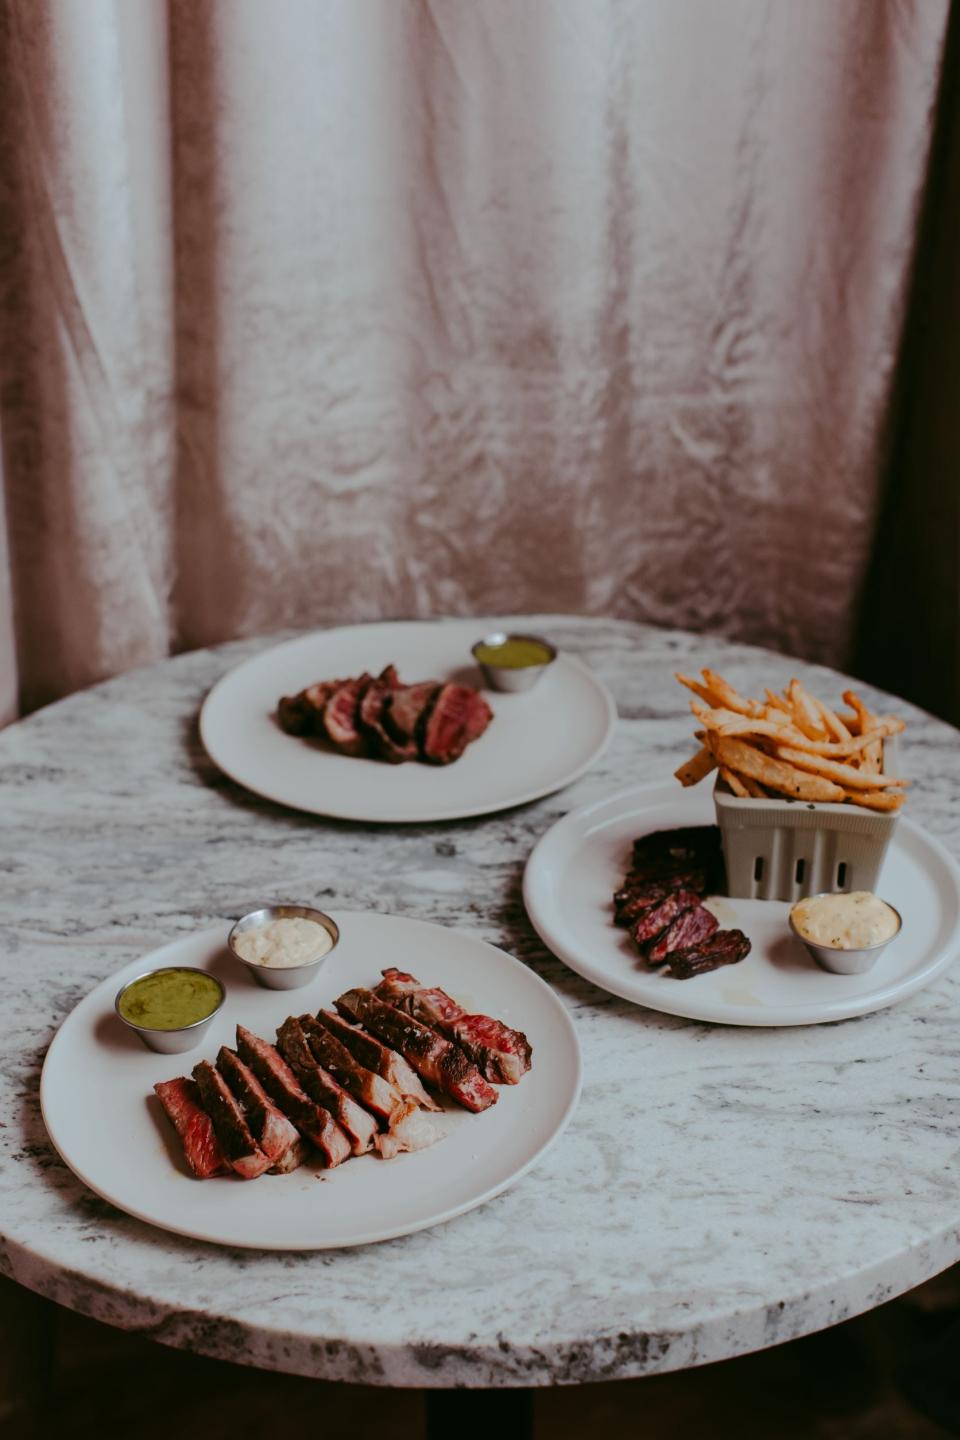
435,1059
282,1085
271,1129
456,716
691,927
500,1053
321,1086
725,947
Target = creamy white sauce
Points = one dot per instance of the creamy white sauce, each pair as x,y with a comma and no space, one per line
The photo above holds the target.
845,922
281,944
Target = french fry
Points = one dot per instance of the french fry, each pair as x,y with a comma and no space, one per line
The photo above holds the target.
756,789
786,734
777,702
831,719
871,761
806,716
698,688
736,784
775,774
876,799
729,697
834,769
696,767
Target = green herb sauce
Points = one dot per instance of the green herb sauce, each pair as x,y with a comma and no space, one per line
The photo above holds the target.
513,654
170,999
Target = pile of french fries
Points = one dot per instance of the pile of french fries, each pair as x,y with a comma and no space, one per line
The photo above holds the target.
791,744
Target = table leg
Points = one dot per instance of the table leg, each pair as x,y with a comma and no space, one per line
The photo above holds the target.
479,1414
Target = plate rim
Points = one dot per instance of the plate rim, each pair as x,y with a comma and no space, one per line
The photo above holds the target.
217,934
457,812
656,792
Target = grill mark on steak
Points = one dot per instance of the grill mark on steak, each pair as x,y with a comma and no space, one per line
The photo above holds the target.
435,1059
630,902
321,1086
725,947
202,1150
377,1094
691,928
281,1084
242,1151
457,715
271,1129
500,1053
379,1058
658,917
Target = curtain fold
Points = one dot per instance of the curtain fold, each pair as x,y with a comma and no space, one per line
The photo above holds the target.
326,310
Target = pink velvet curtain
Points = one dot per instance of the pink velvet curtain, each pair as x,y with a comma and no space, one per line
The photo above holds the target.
323,310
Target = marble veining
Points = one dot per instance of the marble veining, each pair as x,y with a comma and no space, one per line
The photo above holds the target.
718,1189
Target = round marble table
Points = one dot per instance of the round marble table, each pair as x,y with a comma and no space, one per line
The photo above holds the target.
718,1190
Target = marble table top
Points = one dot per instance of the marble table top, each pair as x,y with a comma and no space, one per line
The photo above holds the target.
718,1189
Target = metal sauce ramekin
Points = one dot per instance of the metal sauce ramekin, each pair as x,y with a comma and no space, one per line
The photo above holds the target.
513,678
287,977
171,1042
846,962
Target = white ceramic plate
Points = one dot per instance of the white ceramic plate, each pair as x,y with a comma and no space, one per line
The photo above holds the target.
526,752
573,871
101,1114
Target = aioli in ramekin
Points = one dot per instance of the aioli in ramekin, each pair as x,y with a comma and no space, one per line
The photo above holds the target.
854,921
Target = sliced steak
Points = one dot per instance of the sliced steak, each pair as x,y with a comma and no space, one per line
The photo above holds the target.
340,716
370,719
229,1121
686,844
658,917
303,714
321,1086
725,947
202,1150
271,1129
691,928
378,1095
403,709
281,1084
457,715
630,902
500,1053
435,1059
378,1057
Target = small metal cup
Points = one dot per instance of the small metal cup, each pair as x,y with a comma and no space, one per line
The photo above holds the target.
509,677
287,977
847,962
171,1042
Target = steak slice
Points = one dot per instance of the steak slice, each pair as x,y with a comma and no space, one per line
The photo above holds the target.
691,928
687,844
340,716
377,1094
377,1057
629,903
457,715
370,719
500,1053
302,714
359,1125
291,1159
435,1059
271,1129
725,947
242,1151
281,1084
202,1150
403,709
410,1131
658,917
